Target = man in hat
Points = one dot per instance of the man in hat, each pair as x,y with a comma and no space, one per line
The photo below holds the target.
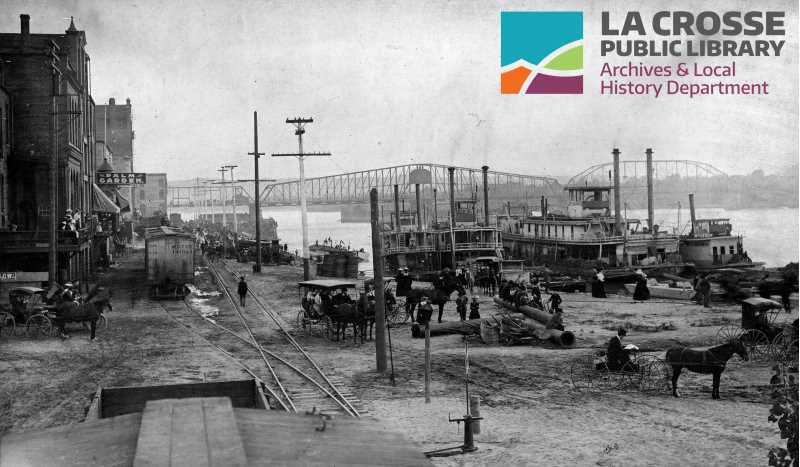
461,305
617,356
242,289
425,310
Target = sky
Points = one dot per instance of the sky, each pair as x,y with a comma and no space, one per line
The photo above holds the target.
391,83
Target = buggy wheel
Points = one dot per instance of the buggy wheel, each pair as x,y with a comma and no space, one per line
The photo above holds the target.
8,325
783,348
38,326
655,374
757,344
728,333
327,324
629,377
302,323
581,374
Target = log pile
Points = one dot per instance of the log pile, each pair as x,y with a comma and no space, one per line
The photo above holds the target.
527,324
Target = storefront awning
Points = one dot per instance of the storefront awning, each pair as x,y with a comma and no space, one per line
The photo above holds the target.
124,204
101,202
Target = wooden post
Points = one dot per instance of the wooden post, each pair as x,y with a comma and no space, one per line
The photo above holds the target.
377,266
427,363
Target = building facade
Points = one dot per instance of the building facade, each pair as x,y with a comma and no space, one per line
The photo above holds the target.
5,148
114,128
51,153
150,199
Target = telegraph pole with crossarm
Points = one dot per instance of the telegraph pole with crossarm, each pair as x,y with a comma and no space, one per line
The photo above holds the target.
299,124
256,155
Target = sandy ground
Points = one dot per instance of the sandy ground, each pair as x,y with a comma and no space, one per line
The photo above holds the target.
532,415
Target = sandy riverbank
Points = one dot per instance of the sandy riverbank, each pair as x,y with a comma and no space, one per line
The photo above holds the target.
532,415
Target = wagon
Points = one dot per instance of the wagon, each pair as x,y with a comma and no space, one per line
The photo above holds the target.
646,373
313,318
761,332
169,261
26,312
395,306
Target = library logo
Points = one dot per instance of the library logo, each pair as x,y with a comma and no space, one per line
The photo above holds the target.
541,52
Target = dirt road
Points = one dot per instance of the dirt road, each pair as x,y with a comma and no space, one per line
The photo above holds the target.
532,414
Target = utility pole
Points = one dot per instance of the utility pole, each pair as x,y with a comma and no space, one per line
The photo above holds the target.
299,124
233,190
222,195
256,155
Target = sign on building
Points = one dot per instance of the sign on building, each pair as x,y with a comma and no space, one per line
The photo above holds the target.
121,178
8,276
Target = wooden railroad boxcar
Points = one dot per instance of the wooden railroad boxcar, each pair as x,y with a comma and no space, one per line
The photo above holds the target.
169,260
113,401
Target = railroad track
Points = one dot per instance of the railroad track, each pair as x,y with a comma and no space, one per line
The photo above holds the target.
293,379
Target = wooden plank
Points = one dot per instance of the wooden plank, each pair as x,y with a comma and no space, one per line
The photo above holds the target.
196,432
286,439
106,442
225,447
95,410
188,435
154,441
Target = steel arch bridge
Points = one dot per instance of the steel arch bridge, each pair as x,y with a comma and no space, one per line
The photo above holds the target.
636,172
354,187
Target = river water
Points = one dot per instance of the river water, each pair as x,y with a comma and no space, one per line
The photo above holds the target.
770,235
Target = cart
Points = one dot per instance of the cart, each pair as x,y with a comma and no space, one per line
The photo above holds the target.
766,337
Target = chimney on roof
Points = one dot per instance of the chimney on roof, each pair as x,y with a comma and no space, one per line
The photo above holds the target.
128,101
111,101
25,24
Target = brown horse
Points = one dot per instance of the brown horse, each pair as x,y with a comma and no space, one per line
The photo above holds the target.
708,361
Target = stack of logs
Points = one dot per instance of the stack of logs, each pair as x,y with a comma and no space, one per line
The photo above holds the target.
530,318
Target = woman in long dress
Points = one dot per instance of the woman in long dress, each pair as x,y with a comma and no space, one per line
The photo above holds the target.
598,284
641,292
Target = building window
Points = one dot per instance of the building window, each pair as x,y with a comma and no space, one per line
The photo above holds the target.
572,231
732,250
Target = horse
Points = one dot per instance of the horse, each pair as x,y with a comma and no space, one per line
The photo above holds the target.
96,301
438,296
343,315
708,361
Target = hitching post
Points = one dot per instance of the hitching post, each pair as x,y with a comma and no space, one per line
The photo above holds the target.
427,362
377,266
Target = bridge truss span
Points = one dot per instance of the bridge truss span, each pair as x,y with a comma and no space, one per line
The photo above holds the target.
354,187
636,170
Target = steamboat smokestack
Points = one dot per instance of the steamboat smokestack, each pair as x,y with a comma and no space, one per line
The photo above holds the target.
617,215
419,208
397,208
450,174
485,169
435,207
691,212
650,217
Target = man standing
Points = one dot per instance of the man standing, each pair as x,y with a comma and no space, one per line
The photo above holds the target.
461,305
242,289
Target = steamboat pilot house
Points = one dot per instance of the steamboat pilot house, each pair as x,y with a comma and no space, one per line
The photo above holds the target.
711,245
586,232
427,248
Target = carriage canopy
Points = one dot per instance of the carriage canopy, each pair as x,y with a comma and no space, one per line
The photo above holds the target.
327,284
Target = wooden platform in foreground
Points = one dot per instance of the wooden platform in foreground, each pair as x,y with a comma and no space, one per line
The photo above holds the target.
200,432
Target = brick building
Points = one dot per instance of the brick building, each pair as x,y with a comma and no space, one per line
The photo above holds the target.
150,199
114,128
5,148
46,78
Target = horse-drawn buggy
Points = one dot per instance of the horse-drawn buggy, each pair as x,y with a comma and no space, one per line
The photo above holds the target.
316,303
765,335
30,312
642,372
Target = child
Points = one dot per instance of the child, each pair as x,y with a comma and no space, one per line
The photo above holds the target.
461,305
474,308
